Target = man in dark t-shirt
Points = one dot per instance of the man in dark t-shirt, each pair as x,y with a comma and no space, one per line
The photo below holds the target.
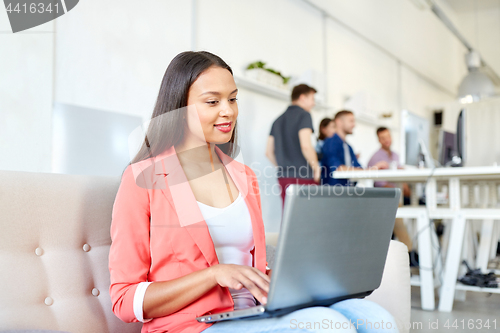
289,145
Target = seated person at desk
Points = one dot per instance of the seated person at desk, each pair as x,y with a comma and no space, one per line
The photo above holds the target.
392,159
338,154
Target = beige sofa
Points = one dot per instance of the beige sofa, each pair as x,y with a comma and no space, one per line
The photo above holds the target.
54,244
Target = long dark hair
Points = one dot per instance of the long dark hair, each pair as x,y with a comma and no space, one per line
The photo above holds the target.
166,128
324,122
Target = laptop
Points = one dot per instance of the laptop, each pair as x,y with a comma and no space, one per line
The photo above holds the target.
332,246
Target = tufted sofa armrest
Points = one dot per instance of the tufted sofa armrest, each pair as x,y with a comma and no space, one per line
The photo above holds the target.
54,249
32,331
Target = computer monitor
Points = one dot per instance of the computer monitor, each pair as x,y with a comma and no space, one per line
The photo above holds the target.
447,148
416,140
460,137
478,137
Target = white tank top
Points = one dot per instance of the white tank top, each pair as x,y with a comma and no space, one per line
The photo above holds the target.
231,231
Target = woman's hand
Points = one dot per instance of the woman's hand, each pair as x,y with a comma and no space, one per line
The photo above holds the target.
241,276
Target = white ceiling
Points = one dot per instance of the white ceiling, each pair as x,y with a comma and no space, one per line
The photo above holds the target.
470,5
479,22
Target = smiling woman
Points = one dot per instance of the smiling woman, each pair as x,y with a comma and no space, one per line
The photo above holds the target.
167,265
187,232
188,81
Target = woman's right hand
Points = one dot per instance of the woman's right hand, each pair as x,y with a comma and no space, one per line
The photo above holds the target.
241,276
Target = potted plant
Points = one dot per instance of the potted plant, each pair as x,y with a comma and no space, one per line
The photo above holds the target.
258,71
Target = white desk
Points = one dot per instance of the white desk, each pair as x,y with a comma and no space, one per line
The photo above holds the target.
474,173
455,212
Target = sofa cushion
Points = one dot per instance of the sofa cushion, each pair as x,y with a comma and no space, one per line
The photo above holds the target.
394,293
54,249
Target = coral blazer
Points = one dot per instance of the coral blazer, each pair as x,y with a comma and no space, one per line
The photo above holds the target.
158,233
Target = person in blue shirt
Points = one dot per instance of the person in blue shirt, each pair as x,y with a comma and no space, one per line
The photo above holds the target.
338,155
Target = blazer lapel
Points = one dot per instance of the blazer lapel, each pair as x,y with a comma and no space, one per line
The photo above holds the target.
182,199
176,189
238,174
236,170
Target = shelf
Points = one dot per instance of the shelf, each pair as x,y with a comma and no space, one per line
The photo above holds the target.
268,90
415,280
261,88
373,121
461,286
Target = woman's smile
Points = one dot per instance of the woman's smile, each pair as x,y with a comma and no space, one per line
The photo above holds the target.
224,127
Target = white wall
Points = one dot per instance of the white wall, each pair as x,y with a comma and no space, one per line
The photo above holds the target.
355,66
414,36
26,86
286,34
112,55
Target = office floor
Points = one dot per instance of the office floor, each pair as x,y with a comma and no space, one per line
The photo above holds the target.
478,307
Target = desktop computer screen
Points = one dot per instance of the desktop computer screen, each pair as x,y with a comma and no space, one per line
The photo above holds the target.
416,140
478,137
447,148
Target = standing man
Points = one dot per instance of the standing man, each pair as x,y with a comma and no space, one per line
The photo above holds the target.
289,145
338,155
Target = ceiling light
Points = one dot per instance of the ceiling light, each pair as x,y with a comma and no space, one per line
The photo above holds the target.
475,85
